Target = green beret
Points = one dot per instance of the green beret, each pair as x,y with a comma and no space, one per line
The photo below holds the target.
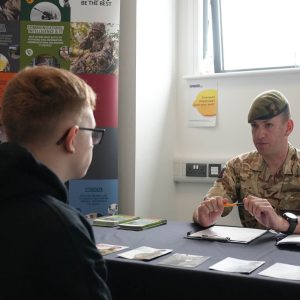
267,105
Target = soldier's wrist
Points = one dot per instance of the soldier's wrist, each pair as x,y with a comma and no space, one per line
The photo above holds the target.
282,225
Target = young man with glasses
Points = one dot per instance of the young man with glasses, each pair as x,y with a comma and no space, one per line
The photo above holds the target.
47,247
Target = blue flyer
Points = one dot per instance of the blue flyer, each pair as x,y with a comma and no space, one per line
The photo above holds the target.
94,196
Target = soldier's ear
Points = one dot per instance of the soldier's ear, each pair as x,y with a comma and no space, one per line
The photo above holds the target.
289,127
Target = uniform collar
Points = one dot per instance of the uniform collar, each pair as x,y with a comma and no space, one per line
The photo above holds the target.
260,165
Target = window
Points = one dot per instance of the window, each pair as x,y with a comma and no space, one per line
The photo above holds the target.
250,35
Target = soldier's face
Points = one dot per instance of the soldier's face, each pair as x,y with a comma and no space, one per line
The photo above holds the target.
270,136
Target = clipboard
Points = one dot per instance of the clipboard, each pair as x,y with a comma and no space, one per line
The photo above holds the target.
228,234
191,235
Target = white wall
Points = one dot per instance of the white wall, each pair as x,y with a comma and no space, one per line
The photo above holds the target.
147,107
155,106
153,102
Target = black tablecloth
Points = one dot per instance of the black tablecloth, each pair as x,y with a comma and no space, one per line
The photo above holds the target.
131,279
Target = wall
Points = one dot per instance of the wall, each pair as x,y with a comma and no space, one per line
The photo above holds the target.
153,110
147,107
155,107
127,111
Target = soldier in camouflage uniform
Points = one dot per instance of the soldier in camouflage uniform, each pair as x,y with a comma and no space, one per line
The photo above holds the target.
267,180
98,56
10,10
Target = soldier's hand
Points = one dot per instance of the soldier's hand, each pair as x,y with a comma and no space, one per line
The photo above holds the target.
262,210
209,210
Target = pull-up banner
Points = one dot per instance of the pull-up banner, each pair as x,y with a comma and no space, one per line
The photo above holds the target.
81,36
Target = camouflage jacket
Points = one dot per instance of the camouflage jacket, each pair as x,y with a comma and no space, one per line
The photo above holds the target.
248,174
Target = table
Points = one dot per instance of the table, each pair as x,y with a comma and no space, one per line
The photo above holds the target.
131,279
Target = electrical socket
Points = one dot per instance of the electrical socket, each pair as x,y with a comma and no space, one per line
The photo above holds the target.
214,170
196,170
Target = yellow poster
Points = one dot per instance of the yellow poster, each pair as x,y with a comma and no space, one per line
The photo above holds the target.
203,105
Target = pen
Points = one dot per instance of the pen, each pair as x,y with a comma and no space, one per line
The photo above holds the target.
215,238
233,204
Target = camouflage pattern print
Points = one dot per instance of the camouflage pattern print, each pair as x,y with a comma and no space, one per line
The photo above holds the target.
248,174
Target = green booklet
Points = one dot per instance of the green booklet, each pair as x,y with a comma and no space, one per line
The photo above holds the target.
142,223
114,220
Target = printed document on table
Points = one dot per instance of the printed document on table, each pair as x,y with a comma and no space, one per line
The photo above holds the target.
282,271
144,253
184,260
109,248
235,265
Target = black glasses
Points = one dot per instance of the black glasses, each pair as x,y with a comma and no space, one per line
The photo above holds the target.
97,135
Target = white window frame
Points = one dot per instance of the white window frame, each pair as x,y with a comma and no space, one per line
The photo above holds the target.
213,63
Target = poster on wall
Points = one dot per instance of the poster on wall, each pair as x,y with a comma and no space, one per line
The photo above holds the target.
203,104
83,37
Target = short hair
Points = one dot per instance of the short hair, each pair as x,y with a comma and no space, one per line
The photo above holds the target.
38,99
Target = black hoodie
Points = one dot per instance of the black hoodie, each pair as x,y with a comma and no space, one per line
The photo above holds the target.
47,248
